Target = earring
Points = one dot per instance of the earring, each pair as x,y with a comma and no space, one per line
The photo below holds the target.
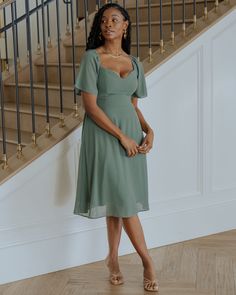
100,36
125,34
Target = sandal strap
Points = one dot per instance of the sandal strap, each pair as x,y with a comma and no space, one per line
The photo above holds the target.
150,285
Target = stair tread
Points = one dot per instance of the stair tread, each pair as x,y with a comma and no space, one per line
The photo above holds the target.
41,85
166,4
11,136
39,110
49,63
164,22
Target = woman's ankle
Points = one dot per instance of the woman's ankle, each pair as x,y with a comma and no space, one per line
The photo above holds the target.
147,261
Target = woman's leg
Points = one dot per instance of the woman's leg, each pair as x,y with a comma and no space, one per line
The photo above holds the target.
134,230
114,228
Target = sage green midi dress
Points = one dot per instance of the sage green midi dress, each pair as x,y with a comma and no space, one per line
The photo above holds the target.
109,182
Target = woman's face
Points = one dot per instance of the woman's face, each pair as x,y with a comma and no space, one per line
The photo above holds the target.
113,24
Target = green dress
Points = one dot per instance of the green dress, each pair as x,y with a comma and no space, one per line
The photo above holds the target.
109,182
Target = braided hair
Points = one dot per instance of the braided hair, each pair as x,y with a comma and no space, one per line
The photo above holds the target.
94,41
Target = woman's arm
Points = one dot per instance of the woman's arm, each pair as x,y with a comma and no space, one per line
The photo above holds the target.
148,140
103,121
145,127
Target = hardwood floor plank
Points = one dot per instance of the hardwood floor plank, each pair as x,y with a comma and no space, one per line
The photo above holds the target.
224,276
204,266
206,270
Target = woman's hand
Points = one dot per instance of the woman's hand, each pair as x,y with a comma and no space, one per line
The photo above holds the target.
130,145
147,143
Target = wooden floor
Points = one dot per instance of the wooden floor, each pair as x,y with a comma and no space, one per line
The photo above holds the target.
203,266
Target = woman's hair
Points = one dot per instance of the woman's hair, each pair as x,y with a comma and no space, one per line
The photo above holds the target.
94,41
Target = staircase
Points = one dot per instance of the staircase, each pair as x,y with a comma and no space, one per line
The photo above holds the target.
44,141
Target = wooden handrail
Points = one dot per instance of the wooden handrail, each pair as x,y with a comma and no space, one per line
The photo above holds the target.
6,3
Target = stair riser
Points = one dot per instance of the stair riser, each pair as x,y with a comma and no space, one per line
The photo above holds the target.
143,52
166,12
155,32
39,96
53,74
26,121
11,149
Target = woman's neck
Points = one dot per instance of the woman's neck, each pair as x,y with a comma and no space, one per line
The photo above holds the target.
113,47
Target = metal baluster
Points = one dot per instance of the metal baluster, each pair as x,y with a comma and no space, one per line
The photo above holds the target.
194,14
98,4
5,39
48,131
149,31
4,148
67,20
137,30
77,14
29,49
88,20
49,31
38,34
17,39
172,23
62,117
85,20
205,9
76,114
183,18
161,30
14,34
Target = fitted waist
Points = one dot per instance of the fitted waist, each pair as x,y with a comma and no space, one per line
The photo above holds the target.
114,100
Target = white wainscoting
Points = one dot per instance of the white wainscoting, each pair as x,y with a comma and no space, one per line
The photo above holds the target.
192,169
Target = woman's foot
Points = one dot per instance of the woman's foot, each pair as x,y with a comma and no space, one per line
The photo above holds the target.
150,282
116,277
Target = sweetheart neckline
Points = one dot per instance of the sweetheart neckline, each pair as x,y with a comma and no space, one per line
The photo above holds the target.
110,70
117,74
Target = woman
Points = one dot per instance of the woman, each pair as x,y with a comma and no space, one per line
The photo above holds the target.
112,177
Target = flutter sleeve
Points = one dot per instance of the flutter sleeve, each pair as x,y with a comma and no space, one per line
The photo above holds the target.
141,90
86,79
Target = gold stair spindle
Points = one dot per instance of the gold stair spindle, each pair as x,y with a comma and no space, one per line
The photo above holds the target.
172,38
5,162
33,139
195,21
62,120
19,150
18,64
161,30
149,33
150,59
76,110
162,50
183,15
7,68
205,10
68,33
38,52
172,23
49,45
48,130
77,25
184,29
194,14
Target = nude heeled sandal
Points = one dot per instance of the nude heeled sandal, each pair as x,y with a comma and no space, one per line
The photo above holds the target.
115,278
151,286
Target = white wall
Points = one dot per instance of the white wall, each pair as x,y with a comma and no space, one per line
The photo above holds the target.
192,169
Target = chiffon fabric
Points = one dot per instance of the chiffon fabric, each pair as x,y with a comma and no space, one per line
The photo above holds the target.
109,182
